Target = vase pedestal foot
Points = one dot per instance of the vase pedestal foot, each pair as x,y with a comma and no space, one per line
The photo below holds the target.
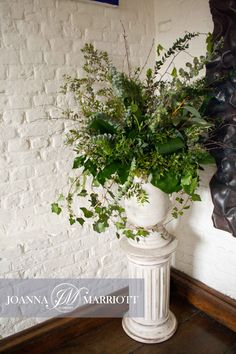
150,333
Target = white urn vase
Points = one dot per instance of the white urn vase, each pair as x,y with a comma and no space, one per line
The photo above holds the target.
150,259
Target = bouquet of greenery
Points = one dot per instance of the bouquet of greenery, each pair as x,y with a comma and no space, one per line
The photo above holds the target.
153,128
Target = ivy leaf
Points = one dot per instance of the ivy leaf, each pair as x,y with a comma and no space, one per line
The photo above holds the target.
81,221
56,209
72,220
87,213
189,186
83,193
94,199
186,180
129,234
196,197
100,226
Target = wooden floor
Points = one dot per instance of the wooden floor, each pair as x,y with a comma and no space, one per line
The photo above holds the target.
197,334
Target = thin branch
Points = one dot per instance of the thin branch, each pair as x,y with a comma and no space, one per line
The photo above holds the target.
148,56
126,49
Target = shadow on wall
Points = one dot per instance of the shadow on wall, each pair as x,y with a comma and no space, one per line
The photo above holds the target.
194,231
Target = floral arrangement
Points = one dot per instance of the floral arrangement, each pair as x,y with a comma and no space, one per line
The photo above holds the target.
154,128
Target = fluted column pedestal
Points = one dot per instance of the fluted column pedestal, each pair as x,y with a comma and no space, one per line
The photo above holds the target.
150,259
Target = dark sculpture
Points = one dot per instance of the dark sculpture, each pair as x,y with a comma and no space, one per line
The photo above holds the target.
221,76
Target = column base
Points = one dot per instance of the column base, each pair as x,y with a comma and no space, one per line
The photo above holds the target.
148,333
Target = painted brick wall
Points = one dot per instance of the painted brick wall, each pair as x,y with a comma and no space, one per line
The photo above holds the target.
204,252
40,41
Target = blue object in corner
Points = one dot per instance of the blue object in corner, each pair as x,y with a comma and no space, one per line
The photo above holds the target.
111,2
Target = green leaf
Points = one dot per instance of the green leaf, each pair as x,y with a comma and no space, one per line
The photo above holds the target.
169,183
186,180
91,167
207,159
100,226
111,194
209,43
134,107
95,183
193,111
190,184
87,213
149,73
83,193
55,208
159,49
101,125
123,173
106,173
129,234
94,199
200,121
81,221
196,197
170,146
174,72
78,161
61,198
72,221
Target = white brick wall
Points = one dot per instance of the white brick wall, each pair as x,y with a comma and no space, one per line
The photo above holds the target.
40,41
204,252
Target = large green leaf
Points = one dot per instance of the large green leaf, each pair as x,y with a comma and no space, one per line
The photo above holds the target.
100,124
193,111
79,161
108,171
170,146
123,173
200,121
169,183
91,167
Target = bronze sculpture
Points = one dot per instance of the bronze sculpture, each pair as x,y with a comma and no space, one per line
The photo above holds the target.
221,76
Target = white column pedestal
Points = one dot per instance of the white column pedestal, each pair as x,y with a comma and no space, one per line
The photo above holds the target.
150,259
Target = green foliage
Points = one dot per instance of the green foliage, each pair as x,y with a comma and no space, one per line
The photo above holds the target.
153,128
56,209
